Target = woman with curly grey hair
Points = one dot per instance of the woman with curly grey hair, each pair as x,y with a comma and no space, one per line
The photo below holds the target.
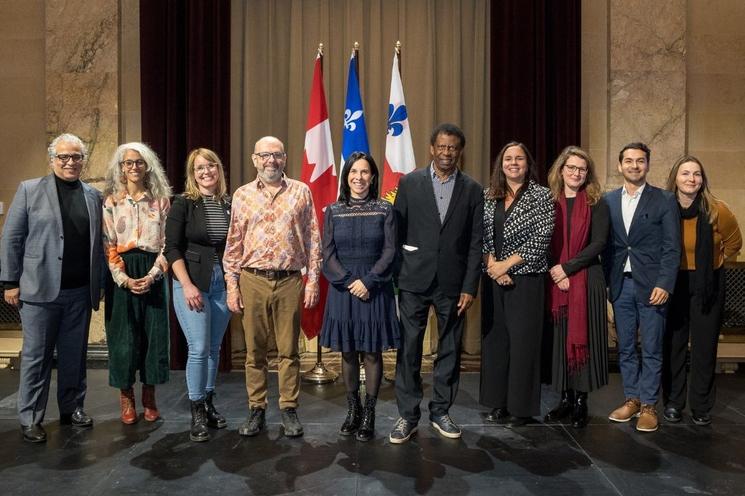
136,203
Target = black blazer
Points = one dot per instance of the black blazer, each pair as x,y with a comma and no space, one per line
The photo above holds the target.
451,250
187,239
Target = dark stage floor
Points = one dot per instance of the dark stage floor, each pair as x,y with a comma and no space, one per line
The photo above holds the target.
158,458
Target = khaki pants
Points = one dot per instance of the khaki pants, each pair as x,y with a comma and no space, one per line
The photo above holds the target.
271,307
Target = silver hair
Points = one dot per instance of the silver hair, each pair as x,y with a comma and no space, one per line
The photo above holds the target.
155,179
67,138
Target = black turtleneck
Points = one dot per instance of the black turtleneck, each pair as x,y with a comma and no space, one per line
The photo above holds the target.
76,234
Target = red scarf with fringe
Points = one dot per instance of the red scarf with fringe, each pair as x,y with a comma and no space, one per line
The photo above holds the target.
572,304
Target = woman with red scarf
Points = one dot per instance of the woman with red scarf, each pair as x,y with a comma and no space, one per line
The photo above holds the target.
577,296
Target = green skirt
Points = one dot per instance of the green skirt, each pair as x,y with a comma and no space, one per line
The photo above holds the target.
137,329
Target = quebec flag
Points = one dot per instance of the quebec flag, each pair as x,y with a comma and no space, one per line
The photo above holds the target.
354,136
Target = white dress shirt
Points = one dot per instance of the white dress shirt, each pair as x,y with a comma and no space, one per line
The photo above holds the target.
628,207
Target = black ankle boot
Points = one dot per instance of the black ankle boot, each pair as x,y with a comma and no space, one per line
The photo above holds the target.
199,430
579,413
367,427
563,409
214,419
354,415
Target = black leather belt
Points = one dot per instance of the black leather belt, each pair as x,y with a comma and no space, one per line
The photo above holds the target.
627,275
272,275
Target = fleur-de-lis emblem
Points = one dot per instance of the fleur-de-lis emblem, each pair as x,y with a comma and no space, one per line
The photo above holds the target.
350,117
395,118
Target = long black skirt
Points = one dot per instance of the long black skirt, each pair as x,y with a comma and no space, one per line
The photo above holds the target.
594,374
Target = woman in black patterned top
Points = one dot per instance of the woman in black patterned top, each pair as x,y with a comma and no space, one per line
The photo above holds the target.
518,223
196,229
359,244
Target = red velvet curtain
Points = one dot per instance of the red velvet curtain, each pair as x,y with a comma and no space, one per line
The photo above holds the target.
536,76
185,92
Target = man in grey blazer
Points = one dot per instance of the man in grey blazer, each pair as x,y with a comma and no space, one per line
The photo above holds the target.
641,262
51,263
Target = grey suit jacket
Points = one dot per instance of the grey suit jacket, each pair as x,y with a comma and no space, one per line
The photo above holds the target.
33,243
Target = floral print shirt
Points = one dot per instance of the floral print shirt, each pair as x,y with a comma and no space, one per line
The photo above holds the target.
129,225
273,232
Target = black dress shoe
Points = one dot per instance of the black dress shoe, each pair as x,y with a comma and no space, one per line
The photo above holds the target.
499,415
672,414
701,418
34,433
513,421
78,418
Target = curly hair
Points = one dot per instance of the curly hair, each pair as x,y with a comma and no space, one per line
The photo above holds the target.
156,182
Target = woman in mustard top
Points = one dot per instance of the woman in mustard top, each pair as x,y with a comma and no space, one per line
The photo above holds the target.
710,235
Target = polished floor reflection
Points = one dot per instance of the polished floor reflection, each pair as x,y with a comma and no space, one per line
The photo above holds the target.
537,459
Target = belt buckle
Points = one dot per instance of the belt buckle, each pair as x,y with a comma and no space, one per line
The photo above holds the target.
271,275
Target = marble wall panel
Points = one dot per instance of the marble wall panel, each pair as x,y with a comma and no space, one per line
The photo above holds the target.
82,77
647,82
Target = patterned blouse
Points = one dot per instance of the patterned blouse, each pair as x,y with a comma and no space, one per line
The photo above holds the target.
273,232
129,225
528,227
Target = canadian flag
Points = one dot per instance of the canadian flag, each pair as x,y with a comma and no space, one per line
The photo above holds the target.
319,173
399,151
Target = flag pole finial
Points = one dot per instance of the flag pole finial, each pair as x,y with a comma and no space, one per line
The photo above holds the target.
356,45
320,49
398,47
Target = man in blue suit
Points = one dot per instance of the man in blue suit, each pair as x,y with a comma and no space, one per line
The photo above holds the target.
52,265
641,262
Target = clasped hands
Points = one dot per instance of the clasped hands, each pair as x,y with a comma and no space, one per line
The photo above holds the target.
559,277
358,289
497,270
139,286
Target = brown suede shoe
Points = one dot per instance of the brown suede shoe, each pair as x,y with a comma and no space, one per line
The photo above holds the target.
647,419
627,411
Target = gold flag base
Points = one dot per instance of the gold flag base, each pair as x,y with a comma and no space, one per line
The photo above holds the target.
319,374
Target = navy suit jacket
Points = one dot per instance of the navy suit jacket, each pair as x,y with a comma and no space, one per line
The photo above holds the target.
449,250
33,242
653,243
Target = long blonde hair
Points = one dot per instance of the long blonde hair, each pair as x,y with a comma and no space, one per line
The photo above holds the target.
156,182
708,200
556,180
191,189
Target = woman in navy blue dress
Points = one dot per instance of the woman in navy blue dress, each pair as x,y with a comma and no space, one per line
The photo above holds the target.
359,245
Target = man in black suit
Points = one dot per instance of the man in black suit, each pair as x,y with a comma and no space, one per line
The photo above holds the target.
439,213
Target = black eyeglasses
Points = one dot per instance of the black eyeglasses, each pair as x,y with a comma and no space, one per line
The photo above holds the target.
131,164
75,157
264,156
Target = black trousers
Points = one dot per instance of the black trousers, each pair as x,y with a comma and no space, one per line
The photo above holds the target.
686,320
512,326
414,310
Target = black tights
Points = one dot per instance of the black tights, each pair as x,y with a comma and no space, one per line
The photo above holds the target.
350,369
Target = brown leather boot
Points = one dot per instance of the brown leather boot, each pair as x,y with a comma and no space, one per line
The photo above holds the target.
148,401
127,404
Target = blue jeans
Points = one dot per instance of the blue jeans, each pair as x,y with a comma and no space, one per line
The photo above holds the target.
203,331
640,381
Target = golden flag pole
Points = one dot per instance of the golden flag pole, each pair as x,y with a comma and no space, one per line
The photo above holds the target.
319,374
